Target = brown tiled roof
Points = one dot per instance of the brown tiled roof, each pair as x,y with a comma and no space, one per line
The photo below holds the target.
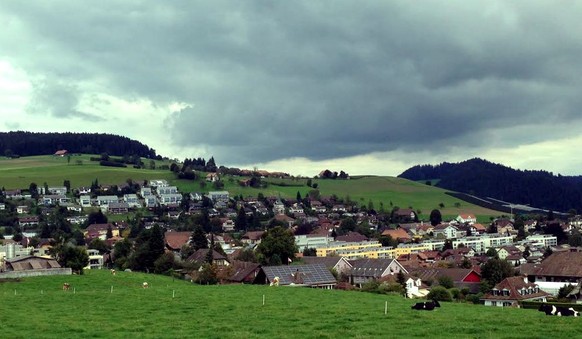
175,240
398,233
98,227
253,235
559,264
200,255
243,271
514,284
352,237
479,227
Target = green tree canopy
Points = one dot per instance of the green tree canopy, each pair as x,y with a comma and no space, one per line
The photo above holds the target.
435,217
495,270
198,239
277,242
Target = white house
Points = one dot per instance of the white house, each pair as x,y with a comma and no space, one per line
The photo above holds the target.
85,201
167,199
448,231
466,218
218,196
545,240
105,200
158,183
163,190
145,191
60,190
132,200
150,201
414,288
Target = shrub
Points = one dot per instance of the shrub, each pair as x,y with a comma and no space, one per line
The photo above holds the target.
439,293
475,298
371,286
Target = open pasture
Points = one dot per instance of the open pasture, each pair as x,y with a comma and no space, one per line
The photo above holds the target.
101,305
80,171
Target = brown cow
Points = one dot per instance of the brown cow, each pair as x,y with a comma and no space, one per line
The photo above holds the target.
66,286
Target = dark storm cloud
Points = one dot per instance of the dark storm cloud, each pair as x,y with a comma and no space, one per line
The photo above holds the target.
270,80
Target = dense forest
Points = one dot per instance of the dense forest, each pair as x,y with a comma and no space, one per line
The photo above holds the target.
20,143
540,189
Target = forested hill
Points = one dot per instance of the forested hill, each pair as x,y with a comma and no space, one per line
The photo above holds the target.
482,178
22,143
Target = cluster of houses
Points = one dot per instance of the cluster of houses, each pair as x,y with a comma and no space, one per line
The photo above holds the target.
423,253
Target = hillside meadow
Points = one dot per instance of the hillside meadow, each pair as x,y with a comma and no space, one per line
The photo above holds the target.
100,305
383,192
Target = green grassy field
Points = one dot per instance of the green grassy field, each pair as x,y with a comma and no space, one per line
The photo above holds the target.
37,307
386,191
19,173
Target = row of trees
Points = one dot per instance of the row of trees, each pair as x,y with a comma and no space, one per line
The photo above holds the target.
479,177
22,143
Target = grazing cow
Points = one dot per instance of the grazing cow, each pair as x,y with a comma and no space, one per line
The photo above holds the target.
66,286
558,311
427,305
112,272
145,285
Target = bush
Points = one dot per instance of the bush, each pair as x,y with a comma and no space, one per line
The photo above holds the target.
386,287
371,286
111,164
456,294
475,298
439,293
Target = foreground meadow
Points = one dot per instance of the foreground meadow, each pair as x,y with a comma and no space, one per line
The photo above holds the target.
100,305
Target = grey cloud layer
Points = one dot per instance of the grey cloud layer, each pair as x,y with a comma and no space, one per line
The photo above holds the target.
270,80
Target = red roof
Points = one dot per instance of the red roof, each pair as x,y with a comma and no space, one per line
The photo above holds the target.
175,240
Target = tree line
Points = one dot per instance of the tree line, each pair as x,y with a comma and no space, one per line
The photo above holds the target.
539,189
21,143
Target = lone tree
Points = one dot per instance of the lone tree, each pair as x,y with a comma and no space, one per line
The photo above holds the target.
277,246
435,217
495,270
198,239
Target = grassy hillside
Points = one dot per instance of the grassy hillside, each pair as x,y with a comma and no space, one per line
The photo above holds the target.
381,191
19,173
37,307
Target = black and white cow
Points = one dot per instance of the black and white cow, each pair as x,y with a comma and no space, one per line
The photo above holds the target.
427,305
558,311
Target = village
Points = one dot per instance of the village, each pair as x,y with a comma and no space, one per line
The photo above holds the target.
337,245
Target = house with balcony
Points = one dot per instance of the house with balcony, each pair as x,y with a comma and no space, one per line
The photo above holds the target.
170,199
218,196
132,200
85,201
165,190
105,200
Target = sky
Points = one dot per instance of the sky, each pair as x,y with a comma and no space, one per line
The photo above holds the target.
369,87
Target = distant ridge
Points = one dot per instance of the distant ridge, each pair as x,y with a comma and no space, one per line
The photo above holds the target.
22,143
482,178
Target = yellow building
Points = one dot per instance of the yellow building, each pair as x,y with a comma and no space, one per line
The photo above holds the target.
404,249
355,250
